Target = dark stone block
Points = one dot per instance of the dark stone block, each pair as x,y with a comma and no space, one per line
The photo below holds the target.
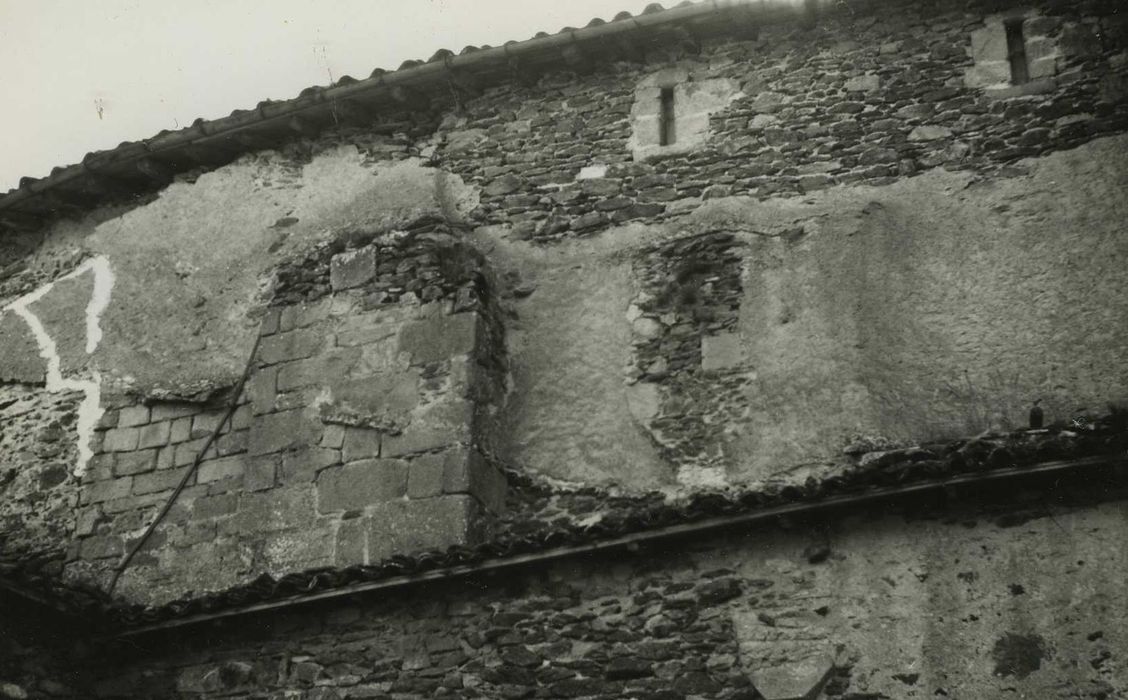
627,668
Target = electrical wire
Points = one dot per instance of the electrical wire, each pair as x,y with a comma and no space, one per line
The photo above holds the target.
191,470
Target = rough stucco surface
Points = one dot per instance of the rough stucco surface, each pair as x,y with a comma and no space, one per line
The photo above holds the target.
568,414
189,267
936,307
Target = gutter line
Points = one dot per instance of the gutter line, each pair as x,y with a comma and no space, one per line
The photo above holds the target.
633,541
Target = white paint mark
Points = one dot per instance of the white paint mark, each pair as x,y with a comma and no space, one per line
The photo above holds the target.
99,300
90,410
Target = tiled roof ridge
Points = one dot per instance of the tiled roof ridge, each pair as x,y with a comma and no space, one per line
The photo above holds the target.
881,475
98,181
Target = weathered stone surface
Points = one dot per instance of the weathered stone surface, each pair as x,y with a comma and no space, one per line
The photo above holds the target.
863,83
401,527
154,435
127,463
303,464
297,344
299,549
315,370
352,268
439,337
158,481
929,133
360,443
358,485
425,476
465,471
352,542
282,431
121,439
385,401
263,390
260,473
445,423
277,509
217,469
797,680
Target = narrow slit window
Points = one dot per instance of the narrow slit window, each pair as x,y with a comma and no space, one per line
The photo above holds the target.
667,130
1016,52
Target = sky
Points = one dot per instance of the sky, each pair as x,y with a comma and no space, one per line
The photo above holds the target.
84,75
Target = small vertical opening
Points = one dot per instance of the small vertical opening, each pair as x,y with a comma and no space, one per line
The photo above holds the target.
667,131
1016,52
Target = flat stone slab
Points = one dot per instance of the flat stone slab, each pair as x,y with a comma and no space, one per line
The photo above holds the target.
803,679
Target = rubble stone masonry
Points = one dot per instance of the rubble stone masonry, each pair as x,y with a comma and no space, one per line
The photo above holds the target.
861,233
973,601
874,92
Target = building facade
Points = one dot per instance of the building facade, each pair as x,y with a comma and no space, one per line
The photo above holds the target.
733,350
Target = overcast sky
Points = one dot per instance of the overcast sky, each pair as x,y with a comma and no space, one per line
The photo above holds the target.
84,75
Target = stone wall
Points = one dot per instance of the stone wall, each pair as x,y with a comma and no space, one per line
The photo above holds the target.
854,241
751,341
38,490
978,601
872,92
358,435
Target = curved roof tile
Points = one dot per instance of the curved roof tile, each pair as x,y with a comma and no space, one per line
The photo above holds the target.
269,109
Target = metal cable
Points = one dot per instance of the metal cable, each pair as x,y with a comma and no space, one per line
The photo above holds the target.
231,408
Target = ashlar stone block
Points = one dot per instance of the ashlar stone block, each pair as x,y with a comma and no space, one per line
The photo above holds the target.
406,526
465,471
358,485
292,345
121,439
154,434
352,268
439,337
276,509
287,430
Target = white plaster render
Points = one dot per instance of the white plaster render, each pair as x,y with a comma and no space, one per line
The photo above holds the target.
90,410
